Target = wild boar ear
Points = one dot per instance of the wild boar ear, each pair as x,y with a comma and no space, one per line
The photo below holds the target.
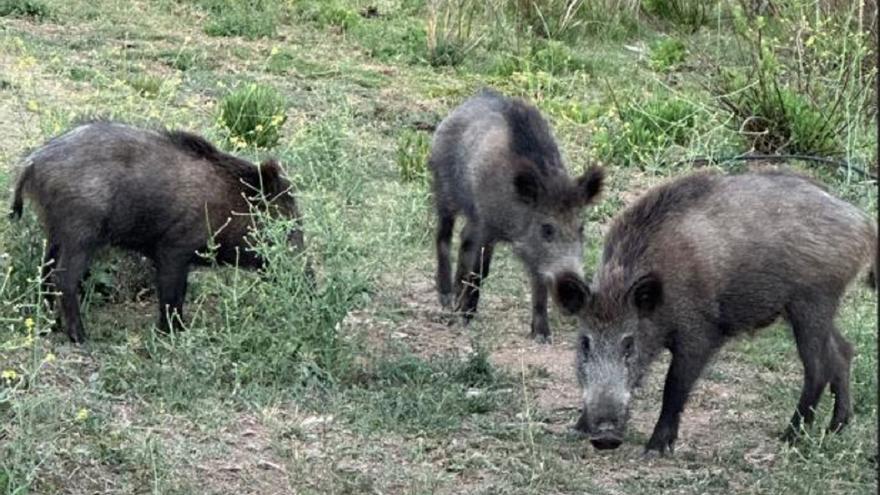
528,187
589,185
270,177
647,294
570,293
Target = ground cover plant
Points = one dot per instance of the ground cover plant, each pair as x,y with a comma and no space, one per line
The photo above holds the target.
355,381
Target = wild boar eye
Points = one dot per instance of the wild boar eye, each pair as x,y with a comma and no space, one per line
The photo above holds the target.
585,345
628,345
547,232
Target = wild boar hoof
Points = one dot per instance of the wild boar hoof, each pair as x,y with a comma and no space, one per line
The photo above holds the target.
541,338
791,435
662,444
541,332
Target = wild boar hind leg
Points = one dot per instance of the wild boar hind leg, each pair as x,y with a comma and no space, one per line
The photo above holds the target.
72,265
474,255
445,226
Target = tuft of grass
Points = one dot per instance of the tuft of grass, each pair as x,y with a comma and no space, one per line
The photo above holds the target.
667,54
452,30
571,20
253,115
34,9
183,59
250,19
145,85
413,148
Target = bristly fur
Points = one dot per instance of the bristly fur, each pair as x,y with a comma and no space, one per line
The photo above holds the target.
530,136
199,147
631,231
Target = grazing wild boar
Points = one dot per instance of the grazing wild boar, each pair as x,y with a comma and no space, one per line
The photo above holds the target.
164,194
704,258
494,161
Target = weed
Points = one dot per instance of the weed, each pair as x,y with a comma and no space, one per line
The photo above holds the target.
248,18
35,9
280,61
326,13
412,155
183,59
640,132
667,54
253,115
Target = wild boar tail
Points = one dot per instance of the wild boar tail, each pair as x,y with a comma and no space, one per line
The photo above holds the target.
17,198
871,279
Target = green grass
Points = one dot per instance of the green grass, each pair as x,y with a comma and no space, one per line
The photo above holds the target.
358,383
253,115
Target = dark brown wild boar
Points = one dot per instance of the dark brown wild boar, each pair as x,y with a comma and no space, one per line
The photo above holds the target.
494,161
704,258
164,194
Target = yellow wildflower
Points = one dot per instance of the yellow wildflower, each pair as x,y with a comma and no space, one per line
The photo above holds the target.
82,414
29,323
9,375
50,358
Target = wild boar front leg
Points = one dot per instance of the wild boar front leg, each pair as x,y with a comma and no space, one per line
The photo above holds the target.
540,325
172,269
688,361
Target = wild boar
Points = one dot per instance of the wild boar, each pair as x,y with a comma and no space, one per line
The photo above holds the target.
164,194
704,258
494,161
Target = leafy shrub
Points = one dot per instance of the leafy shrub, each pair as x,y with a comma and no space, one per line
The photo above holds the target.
412,155
253,115
35,9
667,53
817,103
248,18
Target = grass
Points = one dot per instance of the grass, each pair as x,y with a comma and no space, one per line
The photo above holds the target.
253,115
358,383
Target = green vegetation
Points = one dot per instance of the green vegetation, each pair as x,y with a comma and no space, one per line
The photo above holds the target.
248,18
253,114
36,9
354,381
